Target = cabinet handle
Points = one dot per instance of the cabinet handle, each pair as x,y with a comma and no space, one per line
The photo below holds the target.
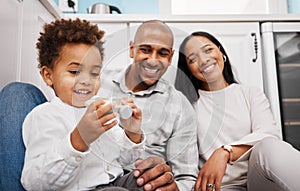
255,47
20,1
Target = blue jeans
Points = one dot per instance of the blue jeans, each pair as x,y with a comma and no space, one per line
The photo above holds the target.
16,101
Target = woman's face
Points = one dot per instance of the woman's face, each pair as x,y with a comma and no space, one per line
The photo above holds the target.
205,60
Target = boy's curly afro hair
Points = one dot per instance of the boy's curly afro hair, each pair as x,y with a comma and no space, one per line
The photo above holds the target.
59,32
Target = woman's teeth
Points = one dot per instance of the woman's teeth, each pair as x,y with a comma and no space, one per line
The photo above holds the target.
209,68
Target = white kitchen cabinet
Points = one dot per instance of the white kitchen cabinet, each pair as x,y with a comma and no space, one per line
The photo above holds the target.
240,37
10,38
23,21
115,48
115,45
35,15
241,40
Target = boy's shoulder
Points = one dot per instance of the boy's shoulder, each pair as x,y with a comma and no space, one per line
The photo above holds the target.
53,106
42,107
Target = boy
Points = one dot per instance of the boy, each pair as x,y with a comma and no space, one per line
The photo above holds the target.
70,146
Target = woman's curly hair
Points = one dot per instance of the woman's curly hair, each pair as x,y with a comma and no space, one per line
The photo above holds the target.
59,32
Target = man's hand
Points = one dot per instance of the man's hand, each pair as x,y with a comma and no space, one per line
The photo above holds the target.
154,174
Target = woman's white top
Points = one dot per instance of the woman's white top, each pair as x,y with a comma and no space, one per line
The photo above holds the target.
235,115
51,162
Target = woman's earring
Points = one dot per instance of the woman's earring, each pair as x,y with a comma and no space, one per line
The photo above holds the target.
225,58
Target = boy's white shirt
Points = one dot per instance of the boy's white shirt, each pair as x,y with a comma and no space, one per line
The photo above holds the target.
51,163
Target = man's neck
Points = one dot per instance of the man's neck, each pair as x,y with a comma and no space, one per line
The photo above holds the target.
140,87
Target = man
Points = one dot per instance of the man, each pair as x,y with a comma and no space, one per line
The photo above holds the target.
168,119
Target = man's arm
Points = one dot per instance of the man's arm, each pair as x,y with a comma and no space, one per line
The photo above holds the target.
181,153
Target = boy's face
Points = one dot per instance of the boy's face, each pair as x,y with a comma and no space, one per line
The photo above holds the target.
75,76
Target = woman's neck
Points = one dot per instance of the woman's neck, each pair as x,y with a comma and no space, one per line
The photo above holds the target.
214,86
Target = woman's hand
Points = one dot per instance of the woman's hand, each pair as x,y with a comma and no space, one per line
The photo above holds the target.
212,171
94,122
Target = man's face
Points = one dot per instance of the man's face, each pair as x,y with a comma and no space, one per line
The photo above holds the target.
152,54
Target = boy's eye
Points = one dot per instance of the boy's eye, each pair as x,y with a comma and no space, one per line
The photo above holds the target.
74,72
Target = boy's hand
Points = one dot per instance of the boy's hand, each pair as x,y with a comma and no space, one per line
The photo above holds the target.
132,125
93,124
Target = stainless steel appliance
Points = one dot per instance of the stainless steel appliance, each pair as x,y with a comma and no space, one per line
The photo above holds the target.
281,49
102,8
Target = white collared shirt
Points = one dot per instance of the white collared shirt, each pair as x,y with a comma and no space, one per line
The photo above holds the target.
169,122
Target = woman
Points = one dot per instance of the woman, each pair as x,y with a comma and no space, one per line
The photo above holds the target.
232,118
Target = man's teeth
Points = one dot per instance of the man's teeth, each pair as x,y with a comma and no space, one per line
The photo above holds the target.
151,71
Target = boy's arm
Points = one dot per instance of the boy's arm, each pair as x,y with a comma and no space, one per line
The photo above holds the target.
132,125
50,161
135,137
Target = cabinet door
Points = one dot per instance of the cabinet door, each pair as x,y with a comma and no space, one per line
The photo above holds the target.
115,45
35,15
115,49
239,41
10,38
